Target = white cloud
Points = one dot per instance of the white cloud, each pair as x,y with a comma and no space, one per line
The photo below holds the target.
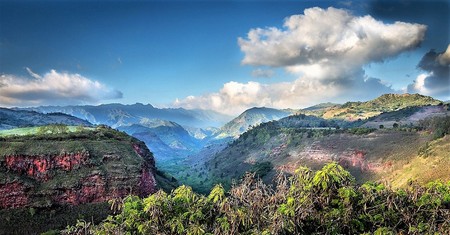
52,88
263,73
326,49
33,74
330,39
436,81
419,84
444,58
235,97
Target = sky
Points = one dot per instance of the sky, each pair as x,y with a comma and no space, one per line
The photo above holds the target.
225,56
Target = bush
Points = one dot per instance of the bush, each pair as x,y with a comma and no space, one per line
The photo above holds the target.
439,126
261,168
325,202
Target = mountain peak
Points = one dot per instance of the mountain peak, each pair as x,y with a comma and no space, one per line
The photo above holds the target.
320,106
395,101
251,117
384,103
415,96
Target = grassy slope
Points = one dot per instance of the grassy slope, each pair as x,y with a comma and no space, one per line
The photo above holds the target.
32,130
424,168
385,103
407,116
289,148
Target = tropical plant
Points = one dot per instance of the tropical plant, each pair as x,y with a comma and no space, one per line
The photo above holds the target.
327,201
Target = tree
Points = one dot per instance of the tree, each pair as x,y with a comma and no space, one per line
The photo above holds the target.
381,126
395,125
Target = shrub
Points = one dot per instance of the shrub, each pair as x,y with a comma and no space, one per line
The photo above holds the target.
325,202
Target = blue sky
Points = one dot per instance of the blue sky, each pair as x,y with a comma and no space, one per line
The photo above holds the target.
80,52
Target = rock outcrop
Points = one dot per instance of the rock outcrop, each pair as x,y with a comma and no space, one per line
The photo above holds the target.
95,167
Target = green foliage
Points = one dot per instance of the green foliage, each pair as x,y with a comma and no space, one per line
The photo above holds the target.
360,130
439,126
391,102
325,202
261,169
331,177
424,151
53,129
23,221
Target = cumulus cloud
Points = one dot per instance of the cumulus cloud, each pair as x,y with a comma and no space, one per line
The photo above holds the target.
435,80
444,58
235,97
263,73
326,49
332,39
52,88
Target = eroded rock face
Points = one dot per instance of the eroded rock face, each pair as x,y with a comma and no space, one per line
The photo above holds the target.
40,167
13,195
76,178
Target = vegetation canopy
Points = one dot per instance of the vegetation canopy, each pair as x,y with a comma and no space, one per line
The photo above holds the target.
324,202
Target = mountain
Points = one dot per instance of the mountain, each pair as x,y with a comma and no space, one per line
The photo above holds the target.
119,114
368,152
321,106
169,141
170,133
352,111
408,116
57,177
248,119
10,119
201,133
163,130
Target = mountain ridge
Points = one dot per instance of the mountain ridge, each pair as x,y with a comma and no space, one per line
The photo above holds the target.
116,114
250,117
10,118
355,110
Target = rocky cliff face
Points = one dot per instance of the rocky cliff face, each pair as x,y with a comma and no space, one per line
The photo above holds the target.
94,167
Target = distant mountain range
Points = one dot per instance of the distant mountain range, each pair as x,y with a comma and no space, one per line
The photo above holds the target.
116,115
10,119
171,134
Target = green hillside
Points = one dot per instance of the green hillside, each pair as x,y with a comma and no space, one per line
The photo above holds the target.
386,103
432,163
43,174
368,153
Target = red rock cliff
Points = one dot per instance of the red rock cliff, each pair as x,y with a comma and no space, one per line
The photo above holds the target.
76,178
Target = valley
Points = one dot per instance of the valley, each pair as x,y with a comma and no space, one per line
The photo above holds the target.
359,135
187,117
395,139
